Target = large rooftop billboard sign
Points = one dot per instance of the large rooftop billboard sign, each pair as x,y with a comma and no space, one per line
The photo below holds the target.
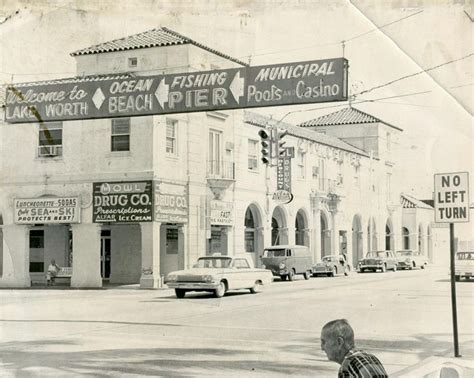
306,82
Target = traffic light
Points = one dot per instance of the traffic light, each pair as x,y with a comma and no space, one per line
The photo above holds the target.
266,142
279,142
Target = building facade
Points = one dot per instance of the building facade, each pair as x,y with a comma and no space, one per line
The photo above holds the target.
127,200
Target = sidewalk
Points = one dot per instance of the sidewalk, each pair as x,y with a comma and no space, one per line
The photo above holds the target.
446,366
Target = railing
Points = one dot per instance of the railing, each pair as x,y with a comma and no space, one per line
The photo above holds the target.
219,169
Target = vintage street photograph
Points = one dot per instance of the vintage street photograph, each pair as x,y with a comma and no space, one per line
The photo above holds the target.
236,188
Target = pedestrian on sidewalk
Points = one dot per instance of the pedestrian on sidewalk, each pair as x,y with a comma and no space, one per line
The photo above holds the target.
337,341
53,270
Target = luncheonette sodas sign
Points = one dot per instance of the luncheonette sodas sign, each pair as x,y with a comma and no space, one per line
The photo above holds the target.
270,85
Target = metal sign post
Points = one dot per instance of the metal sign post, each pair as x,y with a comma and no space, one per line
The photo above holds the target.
452,206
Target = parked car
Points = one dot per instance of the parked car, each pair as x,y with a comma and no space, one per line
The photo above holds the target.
286,261
409,259
219,274
464,265
332,265
379,260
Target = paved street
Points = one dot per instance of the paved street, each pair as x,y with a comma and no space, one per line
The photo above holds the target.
403,317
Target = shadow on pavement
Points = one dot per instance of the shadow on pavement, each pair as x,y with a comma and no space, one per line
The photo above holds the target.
23,358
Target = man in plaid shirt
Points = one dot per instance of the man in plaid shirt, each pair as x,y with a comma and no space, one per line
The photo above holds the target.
337,340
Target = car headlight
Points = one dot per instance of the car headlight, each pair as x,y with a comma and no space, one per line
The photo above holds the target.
208,278
264,267
380,262
171,277
407,260
282,265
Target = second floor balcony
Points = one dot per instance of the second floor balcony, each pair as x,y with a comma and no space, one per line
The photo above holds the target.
220,176
220,170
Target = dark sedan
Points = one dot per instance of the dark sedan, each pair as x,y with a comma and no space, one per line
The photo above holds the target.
380,260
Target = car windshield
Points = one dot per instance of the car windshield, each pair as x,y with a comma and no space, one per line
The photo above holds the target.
465,255
213,262
376,254
405,253
329,258
275,252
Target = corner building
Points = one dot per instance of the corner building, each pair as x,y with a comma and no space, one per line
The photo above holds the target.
143,196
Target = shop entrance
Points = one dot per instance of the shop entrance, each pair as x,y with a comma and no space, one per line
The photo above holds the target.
218,241
105,242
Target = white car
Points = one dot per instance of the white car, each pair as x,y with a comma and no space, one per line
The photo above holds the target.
464,267
219,274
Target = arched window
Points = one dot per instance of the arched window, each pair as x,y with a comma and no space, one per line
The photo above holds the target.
275,232
406,238
299,229
250,231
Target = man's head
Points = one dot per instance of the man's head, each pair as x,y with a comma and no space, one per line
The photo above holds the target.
53,261
337,338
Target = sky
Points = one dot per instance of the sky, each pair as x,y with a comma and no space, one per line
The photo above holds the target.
383,41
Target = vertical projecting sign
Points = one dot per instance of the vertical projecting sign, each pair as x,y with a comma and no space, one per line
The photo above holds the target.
110,96
283,193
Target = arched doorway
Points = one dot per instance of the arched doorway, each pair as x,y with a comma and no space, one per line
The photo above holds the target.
301,229
405,238
371,236
253,238
421,242
430,244
279,228
325,236
357,249
389,239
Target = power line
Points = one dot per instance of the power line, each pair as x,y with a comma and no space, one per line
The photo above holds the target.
252,55
414,74
383,26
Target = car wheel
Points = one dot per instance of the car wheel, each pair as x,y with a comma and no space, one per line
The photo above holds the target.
307,274
457,278
283,277
423,266
333,272
291,275
180,293
413,266
256,288
220,291
394,268
384,268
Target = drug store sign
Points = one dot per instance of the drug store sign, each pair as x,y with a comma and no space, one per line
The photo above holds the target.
122,202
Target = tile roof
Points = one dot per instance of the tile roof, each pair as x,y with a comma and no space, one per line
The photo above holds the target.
345,116
312,135
151,38
408,201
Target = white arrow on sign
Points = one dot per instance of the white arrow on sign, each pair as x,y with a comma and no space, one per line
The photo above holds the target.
237,86
162,92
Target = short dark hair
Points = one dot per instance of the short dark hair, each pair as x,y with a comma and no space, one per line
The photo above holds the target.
340,328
